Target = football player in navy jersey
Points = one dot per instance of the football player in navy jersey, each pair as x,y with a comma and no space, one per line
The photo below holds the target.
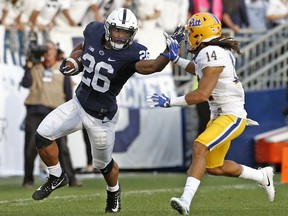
110,57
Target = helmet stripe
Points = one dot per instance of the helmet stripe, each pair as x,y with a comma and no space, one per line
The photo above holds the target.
124,16
215,18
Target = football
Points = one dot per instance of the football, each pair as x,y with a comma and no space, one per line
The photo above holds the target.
74,60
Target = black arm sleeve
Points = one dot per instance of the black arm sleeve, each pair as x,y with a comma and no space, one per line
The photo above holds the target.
26,81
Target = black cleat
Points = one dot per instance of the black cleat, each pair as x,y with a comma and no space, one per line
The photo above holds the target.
113,202
52,184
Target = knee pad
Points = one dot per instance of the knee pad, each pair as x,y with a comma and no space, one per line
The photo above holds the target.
41,142
108,168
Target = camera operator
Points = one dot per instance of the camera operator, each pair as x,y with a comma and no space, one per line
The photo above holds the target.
35,52
48,89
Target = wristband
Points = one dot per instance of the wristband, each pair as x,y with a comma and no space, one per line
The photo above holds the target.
178,101
182,62
176,59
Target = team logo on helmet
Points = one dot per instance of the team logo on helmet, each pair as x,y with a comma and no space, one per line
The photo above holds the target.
194,22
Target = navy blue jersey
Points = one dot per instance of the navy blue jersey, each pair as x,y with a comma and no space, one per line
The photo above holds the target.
105,72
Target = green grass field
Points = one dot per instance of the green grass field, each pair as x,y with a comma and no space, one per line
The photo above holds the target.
146,194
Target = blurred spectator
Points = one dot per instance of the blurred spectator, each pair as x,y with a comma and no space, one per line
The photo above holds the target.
130,4
39,16
11,13
48,89
2,6
235,15
74,15
256,11
149,12
211,6
277,12
10,19
45,12
107,6
173,13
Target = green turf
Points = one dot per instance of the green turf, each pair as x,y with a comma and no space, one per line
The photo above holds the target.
146,194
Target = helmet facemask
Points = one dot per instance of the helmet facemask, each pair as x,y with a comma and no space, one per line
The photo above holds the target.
194,40
120,28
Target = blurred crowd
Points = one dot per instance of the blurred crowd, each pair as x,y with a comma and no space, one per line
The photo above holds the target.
24,16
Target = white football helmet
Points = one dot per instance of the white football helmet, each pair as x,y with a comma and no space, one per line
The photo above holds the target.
121,19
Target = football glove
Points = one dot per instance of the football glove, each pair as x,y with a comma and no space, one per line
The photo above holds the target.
173,48
158,100
66,70
179,33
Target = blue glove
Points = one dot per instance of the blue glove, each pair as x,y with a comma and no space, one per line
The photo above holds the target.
66,70
173,42
173,47
159,100
179,33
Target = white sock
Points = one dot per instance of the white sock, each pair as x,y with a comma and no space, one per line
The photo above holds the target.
114,188
252,174
55,170
190,189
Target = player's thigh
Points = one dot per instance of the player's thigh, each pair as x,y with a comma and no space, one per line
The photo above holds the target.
62,121
102,138
216,157
218,136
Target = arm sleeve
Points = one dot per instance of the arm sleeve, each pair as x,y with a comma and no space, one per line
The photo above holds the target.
26,81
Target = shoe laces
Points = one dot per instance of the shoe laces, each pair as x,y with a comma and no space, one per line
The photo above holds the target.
112,198
51,181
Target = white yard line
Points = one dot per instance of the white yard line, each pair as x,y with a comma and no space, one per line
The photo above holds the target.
178,190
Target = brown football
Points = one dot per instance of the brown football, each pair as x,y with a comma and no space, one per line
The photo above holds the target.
74,60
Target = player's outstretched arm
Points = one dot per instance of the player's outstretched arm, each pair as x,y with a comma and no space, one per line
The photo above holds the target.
158,64
205,87
150,66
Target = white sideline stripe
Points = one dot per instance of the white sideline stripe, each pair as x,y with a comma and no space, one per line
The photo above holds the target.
178,190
